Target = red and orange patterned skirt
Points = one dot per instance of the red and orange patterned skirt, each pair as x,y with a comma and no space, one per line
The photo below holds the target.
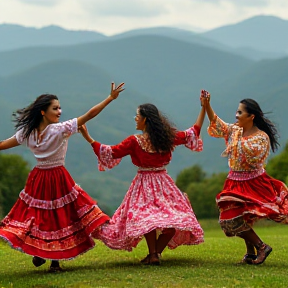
245,200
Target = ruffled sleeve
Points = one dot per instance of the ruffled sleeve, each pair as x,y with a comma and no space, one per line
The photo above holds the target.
218,128
194,142
105,158
190,138
19,136
110,156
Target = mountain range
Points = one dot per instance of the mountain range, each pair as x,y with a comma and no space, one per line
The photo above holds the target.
165,66
248,38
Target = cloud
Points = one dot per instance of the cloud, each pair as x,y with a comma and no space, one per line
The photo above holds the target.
116,16
249,3
254,3
40,2
127,8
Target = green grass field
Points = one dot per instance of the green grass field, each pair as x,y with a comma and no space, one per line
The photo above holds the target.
211,264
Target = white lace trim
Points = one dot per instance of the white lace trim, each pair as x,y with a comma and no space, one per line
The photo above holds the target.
194,143
49,205
105,159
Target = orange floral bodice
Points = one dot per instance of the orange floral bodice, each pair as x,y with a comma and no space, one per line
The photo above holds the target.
247,153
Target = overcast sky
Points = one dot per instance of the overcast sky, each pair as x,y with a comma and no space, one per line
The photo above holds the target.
115,16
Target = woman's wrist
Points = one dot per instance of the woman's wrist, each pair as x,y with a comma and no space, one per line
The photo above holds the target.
110,98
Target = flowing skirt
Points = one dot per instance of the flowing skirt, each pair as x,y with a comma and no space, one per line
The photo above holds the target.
262,197
153,201
53,217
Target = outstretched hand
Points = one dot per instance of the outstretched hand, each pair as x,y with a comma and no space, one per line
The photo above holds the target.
116,91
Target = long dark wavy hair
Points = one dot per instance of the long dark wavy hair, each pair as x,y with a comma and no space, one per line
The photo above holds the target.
262,122
160,130
29,118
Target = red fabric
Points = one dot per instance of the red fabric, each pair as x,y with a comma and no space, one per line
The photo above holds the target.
53,217
96,147
260,197
140,157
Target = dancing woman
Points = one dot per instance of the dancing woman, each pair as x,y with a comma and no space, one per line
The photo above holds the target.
53,217
249,194
153,207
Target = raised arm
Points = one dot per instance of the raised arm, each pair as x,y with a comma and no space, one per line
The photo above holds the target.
94,111
205,102
200,118
8,143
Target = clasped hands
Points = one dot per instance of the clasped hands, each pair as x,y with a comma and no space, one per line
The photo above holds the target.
204,98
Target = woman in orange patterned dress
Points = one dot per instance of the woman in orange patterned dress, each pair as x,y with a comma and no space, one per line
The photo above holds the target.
53,217
153,204
249,194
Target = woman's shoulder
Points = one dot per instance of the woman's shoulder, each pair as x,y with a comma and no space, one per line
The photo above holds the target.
262,134
258,135
67,127
64,123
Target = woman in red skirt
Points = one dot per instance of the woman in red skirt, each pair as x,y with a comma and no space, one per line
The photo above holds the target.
53,217
249,194
153,207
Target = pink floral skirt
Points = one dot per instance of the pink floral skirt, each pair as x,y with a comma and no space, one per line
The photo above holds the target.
153,201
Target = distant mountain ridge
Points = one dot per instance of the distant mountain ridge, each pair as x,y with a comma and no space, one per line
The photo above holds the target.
256,38
17,37
263,33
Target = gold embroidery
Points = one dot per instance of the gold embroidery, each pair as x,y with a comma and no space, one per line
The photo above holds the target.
145,143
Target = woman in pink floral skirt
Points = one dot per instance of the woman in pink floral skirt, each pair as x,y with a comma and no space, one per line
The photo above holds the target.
153,205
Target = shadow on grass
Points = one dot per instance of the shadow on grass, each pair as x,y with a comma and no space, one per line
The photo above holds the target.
169,263
134,265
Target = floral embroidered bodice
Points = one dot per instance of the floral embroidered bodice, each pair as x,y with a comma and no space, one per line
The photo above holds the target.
50,146
247,153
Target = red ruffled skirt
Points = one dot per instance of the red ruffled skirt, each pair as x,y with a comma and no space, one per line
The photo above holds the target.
254,199
53,217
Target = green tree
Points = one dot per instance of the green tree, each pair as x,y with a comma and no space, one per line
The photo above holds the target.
277,166
13,174
193,174
202,195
